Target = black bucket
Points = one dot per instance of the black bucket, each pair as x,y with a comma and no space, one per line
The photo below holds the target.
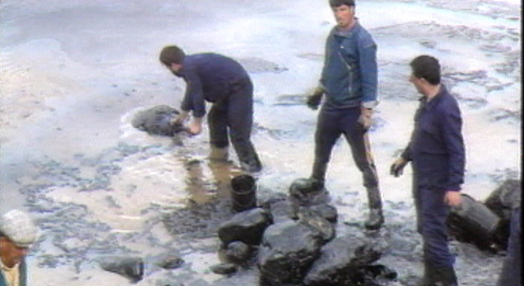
244,193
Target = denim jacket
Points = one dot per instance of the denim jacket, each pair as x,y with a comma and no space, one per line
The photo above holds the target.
350,73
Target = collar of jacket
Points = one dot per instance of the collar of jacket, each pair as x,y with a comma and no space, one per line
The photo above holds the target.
429,105
347,33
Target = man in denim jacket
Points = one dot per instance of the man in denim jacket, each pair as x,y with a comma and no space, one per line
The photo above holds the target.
349,83
437,154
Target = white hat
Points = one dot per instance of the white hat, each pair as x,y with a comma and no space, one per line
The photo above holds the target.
18,227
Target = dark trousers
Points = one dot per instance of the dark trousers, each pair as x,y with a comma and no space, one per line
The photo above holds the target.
512,267
432,213
331,124
233,116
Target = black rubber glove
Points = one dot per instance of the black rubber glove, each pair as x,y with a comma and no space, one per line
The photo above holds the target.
397,167
313,101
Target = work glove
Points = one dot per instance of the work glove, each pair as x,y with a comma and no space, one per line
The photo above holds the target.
313,100
365,118
397,167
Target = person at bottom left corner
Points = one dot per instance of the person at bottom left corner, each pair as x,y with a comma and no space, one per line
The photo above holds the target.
17,233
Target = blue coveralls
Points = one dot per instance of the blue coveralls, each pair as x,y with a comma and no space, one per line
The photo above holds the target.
436,151
349,78
224,82
511,274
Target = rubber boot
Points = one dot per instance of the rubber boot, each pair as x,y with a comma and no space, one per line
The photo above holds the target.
424,281
218,154
375,217
426,278
315,185
252,166
445,276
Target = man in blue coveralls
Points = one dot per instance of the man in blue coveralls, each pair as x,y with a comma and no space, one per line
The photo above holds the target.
349,83
224,82
437,154
511,274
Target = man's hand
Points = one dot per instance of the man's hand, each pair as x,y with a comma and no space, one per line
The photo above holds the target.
313,100
180,119
453,198
195,127
365,118
397,167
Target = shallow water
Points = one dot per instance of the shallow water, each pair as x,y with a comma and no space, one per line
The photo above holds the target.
74,73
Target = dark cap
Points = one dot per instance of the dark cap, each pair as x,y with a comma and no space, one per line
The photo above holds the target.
336,3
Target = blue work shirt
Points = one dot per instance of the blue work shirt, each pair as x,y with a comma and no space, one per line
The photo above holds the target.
436,148
208,77
350,73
